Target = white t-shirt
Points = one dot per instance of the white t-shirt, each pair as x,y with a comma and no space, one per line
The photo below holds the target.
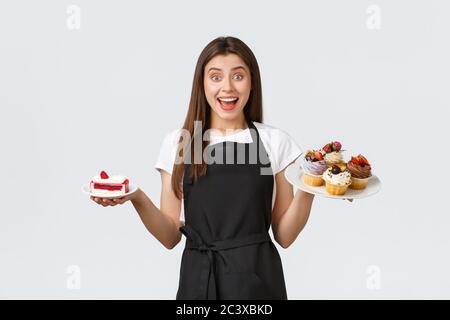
281,148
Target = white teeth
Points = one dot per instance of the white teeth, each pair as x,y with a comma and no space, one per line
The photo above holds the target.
228,99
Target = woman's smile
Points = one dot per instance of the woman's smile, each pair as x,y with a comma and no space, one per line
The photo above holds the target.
227,103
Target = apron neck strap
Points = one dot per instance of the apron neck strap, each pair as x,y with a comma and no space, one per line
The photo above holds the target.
253,131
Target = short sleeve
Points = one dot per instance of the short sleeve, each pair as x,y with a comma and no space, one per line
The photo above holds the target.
285,150
167,152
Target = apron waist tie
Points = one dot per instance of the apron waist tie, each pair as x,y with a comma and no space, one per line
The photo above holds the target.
208,279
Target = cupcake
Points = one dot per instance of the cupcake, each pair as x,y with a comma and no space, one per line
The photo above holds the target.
333,155
313,166
360,170
336,180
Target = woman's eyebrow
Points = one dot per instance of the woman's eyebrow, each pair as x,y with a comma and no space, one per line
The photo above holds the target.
217,69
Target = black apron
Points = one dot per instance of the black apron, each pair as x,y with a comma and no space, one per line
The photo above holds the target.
229,253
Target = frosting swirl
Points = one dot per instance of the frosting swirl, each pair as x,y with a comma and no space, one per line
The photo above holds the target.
333,157
341,179
314,167
358,171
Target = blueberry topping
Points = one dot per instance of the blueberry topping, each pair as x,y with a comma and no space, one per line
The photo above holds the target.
335,170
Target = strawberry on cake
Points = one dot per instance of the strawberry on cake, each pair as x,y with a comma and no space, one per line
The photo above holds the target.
104,185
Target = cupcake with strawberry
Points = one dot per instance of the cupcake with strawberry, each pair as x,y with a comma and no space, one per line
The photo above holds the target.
313,166
360,170
337,181
333,155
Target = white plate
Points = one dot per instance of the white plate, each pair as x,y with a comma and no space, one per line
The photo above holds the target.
294,174
131,189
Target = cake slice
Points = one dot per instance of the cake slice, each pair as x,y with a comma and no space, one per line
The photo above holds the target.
104,185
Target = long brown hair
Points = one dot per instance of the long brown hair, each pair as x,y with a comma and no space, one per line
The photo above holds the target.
199,110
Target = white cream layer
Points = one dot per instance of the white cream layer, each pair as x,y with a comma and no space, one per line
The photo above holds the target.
333,157
111,179
340,179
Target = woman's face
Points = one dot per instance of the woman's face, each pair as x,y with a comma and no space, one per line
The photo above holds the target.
227,85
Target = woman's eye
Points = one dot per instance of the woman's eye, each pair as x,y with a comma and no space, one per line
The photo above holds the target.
238,77
215,78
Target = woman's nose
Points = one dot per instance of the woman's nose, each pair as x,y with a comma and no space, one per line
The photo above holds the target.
227,85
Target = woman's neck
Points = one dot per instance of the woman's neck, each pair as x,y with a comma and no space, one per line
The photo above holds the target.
228,126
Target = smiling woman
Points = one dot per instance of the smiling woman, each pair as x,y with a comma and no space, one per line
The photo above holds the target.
229,207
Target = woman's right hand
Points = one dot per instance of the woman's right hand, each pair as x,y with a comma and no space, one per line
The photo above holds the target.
113,202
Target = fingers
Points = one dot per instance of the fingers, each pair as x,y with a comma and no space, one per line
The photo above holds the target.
119,200
108,202
104,202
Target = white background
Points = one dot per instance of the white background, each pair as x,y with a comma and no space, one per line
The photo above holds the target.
102,97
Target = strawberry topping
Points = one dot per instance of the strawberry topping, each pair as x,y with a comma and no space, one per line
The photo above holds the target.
104,175
318,155
359,161
332,146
